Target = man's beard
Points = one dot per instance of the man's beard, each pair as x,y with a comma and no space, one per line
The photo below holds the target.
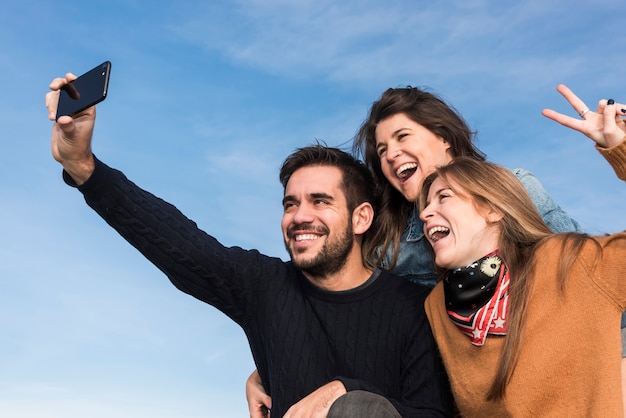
331,258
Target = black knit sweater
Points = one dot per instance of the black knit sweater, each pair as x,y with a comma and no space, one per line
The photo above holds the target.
375,337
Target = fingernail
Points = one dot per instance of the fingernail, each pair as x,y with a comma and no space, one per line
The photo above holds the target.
623,110
610,102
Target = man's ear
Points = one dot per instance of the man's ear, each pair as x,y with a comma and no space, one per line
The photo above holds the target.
362,218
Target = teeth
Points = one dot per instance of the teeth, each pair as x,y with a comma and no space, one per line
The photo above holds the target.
305,237
433,232
405,167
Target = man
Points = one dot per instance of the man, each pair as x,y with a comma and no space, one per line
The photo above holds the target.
330,335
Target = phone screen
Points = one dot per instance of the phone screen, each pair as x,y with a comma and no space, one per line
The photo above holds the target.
87,90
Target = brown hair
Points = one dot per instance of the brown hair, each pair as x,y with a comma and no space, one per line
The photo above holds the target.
356,181
432,113
523,231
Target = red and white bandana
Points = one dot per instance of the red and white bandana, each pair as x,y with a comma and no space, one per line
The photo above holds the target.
477,297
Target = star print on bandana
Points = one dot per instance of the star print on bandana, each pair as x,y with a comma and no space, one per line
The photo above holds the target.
477,297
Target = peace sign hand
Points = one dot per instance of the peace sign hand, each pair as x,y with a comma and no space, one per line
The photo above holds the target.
604,126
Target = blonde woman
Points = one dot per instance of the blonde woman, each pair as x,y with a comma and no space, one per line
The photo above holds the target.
519,305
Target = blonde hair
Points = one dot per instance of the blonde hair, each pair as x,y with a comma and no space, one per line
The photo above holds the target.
522,232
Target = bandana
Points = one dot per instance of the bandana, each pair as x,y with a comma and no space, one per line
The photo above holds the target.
477,297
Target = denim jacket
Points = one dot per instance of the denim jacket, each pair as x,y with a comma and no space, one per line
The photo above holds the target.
415,259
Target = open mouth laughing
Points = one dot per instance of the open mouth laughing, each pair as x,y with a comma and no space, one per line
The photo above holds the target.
438,232
406,170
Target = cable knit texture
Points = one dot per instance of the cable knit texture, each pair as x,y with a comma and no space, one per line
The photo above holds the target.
374,338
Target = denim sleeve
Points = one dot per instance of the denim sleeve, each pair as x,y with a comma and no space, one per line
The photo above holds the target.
555,217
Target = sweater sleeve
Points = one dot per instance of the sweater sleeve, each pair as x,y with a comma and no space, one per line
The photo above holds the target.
611,268
195,262
616,156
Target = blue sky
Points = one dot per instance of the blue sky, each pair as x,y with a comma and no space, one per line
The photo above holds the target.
205,101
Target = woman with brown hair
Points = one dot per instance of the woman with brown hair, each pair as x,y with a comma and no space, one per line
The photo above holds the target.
408,133
518,304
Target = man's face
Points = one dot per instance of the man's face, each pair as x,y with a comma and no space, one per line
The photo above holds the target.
316,225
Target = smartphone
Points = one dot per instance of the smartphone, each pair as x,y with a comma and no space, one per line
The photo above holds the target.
86,91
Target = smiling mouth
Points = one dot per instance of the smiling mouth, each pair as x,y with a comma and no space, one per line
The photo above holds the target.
406,170
438,232
305,237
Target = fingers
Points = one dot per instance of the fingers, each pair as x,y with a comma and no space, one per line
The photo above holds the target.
52,98
605,126
578,105
258,401
588,122
67,126
564,120
59,82
52,101
609,111
613,133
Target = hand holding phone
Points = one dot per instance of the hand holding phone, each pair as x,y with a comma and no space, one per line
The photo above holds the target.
87,90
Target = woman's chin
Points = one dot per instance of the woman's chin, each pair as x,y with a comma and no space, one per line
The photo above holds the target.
410,194
442,262
449,263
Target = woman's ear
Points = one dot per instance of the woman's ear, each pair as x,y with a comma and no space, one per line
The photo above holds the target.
362,218
493,215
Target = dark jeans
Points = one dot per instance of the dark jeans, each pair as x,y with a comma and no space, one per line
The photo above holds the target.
359,404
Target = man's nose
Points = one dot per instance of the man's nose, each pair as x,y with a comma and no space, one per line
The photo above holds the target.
303,214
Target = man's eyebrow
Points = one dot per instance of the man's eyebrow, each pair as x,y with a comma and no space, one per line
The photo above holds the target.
322,196
319,195
288,198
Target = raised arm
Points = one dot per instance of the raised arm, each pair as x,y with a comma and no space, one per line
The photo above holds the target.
605,126
71,137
